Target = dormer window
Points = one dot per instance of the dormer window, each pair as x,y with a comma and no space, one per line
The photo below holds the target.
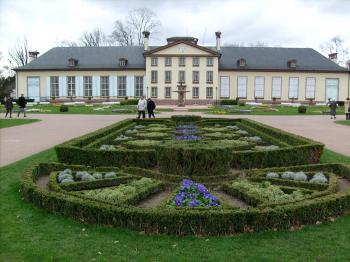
292,63
72,62
241,62
123,62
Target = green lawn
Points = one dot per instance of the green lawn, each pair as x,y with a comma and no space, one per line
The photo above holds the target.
16,122
82,109
343,122
31,234
266,110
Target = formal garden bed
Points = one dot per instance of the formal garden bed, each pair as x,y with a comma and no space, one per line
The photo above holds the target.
189,175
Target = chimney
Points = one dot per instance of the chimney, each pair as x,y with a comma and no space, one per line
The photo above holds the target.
145,40
333,57
33,55
218,39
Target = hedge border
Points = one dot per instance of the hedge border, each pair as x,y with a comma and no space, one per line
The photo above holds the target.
172,221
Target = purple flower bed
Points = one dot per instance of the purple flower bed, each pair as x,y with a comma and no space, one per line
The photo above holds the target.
193,194
189,126
188,137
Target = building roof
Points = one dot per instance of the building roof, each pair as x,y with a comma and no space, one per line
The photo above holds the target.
257,58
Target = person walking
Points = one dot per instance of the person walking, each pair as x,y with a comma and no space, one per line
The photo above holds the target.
333,106
150,108
22,102
8,106
347,109
141,107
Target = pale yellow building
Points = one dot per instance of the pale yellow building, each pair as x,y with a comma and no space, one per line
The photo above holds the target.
210,73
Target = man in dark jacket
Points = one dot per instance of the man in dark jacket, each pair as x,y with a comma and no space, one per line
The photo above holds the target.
22,102
8,106
150,107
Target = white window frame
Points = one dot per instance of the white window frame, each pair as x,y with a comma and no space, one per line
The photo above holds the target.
326,85
293,90
195,92
195,76
182,61
138,86
167,61
167,92
154,76
182,76
242,86
87,86
167,76
209,91
224,93
154,61
154,92
259,87
276,90
310,87
121,88
71,90
104,86
210,61
210,76
54,86
195,61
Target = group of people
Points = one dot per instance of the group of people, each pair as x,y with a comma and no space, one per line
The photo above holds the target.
333,107
144,105
22,102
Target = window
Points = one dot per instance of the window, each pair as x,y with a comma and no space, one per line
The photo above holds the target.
310,88
167,76
104,84
195,61
242,86
209,61
121,89
224,86
167,92
154,91
276,87
195,76
293,87
138,86
182,61
181,76
209,92
54,86
123,62
332,88
87,83
154,76
167,61
71,85
195,92
259,86
154,61
209,76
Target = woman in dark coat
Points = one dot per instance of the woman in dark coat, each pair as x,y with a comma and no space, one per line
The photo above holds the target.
8,106
150,107
333,106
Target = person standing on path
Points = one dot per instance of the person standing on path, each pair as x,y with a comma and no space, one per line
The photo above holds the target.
347,109
22,102
150,108
8,106
141,107
333,106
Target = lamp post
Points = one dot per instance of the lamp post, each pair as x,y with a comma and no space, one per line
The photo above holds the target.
146,92
216,96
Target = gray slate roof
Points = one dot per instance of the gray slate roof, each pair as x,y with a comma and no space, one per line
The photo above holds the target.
257,58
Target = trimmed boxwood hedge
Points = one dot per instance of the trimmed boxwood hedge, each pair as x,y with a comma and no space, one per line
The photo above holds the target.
186,221
295,150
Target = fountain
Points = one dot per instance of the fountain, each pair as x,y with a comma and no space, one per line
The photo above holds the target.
181,93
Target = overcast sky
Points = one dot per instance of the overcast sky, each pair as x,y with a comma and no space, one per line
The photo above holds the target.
289,23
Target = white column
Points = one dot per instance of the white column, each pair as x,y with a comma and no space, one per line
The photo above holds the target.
132,86
145,86
111,86
48,89
79,86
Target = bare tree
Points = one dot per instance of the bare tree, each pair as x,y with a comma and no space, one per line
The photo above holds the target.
66,43
122,34
336,45
252,44
129,32
94,38
19,54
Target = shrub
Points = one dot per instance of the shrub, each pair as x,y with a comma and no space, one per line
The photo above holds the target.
67,180
97,175
319,178
107,147
185,118
87,177
241,103
266,148
64,108
110,175
142,143
229,102
79,175
129,102
255,139
242,132
63,176
272,175
121,138
300,176
287,175
302,109
231,127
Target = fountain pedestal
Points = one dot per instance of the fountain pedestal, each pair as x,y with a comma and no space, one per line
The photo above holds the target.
181,90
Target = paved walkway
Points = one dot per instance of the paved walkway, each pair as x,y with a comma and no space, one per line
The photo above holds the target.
21,141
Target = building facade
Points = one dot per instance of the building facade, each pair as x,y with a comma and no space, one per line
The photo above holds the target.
210,73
